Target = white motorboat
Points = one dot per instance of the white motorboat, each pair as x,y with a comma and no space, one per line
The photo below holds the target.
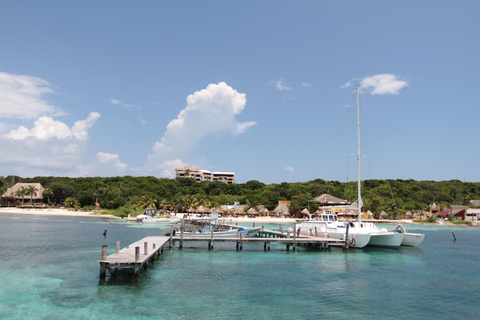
143,218
326,225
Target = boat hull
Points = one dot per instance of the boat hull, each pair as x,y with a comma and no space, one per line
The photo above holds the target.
412,239
355,240
386,240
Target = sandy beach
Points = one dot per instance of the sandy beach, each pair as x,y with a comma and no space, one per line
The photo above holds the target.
57,212
101,214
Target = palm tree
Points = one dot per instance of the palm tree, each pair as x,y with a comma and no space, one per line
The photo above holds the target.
146,202
31,190
48,192
21,193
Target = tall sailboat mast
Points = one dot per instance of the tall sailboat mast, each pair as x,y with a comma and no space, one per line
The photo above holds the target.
359,201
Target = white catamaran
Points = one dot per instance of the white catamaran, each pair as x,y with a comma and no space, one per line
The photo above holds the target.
360,233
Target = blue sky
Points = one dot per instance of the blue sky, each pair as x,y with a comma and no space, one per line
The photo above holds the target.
260,88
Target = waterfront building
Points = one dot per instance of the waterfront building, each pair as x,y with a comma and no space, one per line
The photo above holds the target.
11,195
205,175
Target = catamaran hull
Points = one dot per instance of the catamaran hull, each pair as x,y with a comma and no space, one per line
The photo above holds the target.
412,239
387,240
355,240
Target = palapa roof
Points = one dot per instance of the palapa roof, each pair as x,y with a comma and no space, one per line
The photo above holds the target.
201,209
238,210
252,211
10,193
282,208
263,210
383,213
476,203
330,199
457,209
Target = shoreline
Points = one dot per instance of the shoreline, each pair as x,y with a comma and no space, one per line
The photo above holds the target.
99,214
56,212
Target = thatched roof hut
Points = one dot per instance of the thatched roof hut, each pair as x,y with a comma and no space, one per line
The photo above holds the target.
383,214
10,194
238,210
331,200
282,209
305,212
263,210
201,209
252,211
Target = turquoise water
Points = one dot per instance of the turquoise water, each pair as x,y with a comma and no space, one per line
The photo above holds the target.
49,270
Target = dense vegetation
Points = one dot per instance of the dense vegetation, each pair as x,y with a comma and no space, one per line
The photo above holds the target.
127,193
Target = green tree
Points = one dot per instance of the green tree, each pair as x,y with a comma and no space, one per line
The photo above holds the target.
72,202
31,191
48,192
22,192
146,202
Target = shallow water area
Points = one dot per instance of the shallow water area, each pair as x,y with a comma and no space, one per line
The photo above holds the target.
49,271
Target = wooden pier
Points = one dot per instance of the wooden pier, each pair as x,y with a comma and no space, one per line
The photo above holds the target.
133,257
138,254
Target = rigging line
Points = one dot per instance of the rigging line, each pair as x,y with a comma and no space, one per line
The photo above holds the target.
330,147
380,156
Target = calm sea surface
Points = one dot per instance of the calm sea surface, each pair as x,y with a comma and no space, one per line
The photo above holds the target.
49,270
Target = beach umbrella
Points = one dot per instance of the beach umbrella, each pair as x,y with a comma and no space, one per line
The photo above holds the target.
238,210
263,211
190,209
408,214
252,211
383,214
282,209
201,209
369,213
305,212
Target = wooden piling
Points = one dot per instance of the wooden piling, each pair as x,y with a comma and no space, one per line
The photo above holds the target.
345,246
145,248
118,246
295,236
454,238
182,228
104,252
137,253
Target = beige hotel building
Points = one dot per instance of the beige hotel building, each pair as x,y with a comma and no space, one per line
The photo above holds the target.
204,175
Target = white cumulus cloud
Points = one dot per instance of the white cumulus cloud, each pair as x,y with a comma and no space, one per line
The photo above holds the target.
22,97
379,84
46,128
50,146
208,111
